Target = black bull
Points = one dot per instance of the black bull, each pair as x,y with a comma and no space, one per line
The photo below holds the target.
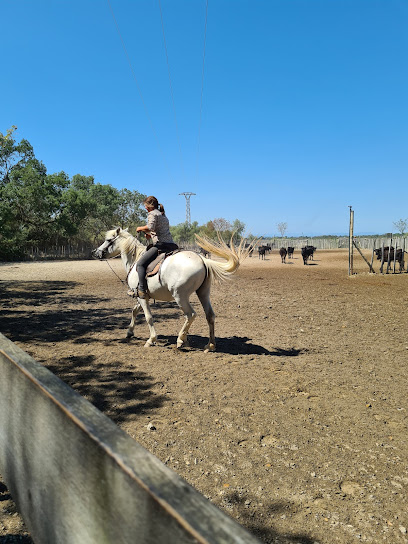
307,253
390,255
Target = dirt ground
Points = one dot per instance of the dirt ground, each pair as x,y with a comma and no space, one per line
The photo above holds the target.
296,426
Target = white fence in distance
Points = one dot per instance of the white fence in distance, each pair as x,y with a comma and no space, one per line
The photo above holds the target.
66,252
341,242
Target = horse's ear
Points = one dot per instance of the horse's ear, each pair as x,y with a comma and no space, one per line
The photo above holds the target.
126,229
117,231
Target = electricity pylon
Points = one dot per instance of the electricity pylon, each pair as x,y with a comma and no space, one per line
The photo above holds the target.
188,196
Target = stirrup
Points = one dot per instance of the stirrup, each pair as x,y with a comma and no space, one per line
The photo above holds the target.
142,294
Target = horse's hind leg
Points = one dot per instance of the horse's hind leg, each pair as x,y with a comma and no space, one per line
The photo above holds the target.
189,314
132,323
203,294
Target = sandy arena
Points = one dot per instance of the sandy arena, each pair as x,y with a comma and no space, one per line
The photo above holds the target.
296,426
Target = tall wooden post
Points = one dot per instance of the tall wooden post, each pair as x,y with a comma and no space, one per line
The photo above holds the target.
372,256
382,258
389,258
351,234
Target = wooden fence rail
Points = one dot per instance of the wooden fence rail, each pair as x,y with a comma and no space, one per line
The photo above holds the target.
77,478
342,242
60,252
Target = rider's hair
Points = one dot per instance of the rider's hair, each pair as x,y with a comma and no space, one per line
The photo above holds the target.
152,201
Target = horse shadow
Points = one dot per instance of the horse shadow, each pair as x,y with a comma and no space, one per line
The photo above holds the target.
232,345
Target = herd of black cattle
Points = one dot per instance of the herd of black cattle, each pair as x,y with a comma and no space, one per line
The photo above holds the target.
306,252
385,255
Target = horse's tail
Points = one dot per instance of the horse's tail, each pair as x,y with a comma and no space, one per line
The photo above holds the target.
220,271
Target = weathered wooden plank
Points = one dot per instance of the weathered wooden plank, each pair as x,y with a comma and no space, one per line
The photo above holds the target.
77,478
351,235
382,258
389,257
372,259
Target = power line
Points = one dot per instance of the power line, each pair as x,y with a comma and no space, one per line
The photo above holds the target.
139,90
202,89
171,90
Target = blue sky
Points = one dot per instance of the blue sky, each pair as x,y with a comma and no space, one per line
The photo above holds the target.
298,109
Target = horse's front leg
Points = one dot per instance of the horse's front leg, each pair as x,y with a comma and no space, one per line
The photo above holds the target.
131,328
144,303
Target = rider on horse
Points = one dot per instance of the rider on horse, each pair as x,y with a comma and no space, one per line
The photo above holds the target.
157,231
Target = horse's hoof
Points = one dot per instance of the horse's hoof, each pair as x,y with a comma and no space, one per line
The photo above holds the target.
149,344
209,347
129,334
183,344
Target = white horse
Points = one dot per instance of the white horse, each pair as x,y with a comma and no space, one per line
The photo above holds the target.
180,275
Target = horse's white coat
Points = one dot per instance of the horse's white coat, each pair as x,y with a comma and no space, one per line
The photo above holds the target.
181,274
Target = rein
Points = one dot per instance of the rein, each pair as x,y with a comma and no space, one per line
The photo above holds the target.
130,270
120,279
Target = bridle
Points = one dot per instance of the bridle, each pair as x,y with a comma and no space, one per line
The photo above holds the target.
109,243
104,250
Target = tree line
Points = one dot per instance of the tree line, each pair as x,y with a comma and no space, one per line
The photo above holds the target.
46,210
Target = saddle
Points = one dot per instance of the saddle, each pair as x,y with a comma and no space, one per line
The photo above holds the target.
153,268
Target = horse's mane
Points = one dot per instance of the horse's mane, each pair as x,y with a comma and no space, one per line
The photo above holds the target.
127,243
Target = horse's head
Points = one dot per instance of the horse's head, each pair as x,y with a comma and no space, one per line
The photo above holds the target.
110,247
119,242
